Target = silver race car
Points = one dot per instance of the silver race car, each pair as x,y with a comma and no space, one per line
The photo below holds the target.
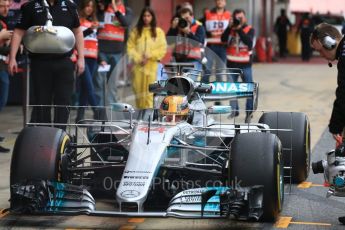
180,159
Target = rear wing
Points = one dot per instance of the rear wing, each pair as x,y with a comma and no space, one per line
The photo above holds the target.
230,90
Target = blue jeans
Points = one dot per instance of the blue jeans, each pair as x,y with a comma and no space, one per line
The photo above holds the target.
247,77
216,55
107,80
4,88
87,93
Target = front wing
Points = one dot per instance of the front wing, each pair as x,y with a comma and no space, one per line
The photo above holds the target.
45,197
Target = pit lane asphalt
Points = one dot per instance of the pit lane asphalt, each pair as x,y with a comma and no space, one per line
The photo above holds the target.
289,86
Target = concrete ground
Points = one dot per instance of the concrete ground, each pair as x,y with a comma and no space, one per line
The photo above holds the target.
288,85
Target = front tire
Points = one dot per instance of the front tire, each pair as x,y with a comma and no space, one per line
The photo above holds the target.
37,154
255,159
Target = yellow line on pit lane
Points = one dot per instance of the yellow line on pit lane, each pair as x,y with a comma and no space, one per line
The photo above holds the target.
310,223
306,184
132,221
136,220
285,221
4,213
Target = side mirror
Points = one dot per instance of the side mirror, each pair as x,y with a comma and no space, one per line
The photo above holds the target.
204,88
156,87
219,109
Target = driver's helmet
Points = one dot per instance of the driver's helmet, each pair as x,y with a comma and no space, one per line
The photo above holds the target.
174,108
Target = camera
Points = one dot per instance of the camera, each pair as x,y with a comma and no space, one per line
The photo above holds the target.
182,23
237,21
333,169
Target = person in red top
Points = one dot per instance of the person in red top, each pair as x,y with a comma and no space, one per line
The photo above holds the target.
89,25
115,20
188,37
216,21
240,38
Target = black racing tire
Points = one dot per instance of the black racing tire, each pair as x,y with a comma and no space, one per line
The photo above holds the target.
37,154
299,140
255,159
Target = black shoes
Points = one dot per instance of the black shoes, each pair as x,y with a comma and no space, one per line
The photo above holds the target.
249,116
3,149
80,115
234,114
100,114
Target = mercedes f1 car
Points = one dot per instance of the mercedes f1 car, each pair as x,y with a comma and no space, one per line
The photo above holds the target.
203,166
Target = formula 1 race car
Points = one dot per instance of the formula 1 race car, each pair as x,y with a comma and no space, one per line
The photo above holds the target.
179,159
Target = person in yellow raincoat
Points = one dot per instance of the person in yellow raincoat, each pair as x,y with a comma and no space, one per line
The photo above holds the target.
145,47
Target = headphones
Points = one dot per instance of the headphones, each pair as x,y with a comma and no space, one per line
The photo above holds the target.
327,41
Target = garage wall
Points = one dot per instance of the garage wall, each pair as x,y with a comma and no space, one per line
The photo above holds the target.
136,6
163,14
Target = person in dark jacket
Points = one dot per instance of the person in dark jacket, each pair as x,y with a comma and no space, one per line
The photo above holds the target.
281,27
51,74
328,41
306,27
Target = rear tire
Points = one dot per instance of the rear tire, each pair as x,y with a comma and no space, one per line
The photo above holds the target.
255,160
298,139
37,153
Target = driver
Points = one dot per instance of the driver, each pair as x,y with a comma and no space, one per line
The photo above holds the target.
174,108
